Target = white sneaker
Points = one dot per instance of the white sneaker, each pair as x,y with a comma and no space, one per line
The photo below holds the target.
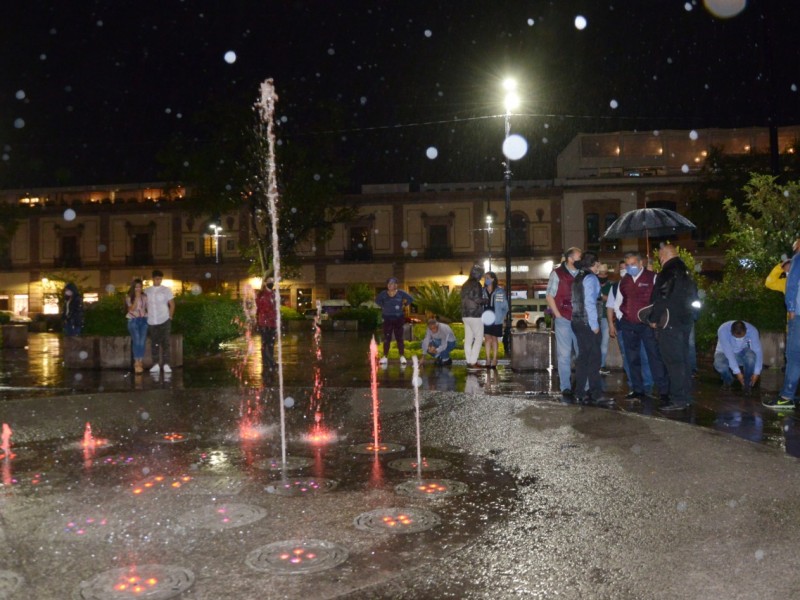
383,362
155,368
167,369
403,361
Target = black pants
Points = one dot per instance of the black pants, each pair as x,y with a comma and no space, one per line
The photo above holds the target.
267,347
673,343
159,340
587,365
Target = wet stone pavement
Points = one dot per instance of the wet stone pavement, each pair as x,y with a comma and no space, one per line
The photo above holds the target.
182,492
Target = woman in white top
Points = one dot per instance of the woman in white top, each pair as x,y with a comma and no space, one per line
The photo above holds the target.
136,302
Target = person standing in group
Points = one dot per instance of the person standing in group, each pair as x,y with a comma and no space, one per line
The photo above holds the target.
559,299
496,301
72,311
792,375
776,280
614,317
738,349
438,343
393,302
160,310
585,324
136,302
672,320
472,306
605,288
266,321
635,292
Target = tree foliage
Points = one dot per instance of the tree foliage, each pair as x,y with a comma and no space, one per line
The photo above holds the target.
360,292
436,299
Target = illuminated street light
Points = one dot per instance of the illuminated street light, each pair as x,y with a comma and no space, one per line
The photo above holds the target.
511,102
216,229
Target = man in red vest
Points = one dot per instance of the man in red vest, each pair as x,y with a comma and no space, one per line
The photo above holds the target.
559,299
633,294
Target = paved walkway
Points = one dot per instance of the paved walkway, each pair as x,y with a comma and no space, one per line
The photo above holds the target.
562,501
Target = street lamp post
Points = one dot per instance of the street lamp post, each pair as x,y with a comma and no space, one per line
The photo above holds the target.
216,229
510,102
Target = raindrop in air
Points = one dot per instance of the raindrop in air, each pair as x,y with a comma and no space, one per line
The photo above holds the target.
428,33
19,123
316,177
83,355
331,51
759,555
110,289
144,416
530,22
793,87
416,381
208,275
288,402
685,169
101,248
613,104
515,147
404,244
581,22
725,9
431,153
20,95
230,57
69,215
78,376
693,135
196,290
688,6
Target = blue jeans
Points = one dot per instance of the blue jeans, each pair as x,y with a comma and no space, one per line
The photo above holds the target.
792,374
647,376
445,354
746,358
137,327
636,336
604,337
565,343
692,353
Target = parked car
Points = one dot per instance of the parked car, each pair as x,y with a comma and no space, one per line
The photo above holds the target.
530,310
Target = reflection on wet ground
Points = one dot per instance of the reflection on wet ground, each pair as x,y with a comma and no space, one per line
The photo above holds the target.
38,371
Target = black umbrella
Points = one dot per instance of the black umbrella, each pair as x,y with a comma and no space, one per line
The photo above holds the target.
656,222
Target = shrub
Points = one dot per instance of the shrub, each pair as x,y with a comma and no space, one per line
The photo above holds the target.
5,318
360,292
207,321
106,316
290,314
368,318
436,299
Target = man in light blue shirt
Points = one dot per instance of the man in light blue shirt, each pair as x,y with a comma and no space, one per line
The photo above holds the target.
738,347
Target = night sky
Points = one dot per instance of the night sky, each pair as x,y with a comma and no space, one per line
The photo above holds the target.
92,91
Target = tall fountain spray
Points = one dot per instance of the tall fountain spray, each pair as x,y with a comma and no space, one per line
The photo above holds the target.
5,441
416,381
373,365
266,107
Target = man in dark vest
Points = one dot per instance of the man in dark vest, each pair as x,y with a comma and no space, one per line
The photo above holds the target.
559,299
633,294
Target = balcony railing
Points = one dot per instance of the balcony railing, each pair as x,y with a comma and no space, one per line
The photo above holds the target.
358,254
522,251
68,262
439,252
139,260
205,259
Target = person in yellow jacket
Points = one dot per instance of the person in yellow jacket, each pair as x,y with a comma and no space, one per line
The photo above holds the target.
776,280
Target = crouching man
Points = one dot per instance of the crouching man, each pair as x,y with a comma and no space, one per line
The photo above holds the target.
438,343
738,354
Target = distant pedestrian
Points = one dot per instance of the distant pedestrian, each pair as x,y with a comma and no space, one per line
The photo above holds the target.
472,306
136,303
738,354
160,310
559,299
438,343
495,301
266,321
790,379
72,310
393,302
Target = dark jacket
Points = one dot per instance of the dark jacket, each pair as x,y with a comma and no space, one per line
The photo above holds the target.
675,291
472,302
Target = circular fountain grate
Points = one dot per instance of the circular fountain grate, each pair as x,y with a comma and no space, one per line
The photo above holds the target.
293,463
428,464
301,486
223,516
172,437
431,488
381,448
150,582
10,582
397,520
296,557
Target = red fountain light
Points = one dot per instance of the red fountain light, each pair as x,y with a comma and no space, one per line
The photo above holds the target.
297,556
5,442
135,584
173,437
432,488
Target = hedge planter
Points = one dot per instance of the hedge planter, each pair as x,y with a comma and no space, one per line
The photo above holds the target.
14,336
113,352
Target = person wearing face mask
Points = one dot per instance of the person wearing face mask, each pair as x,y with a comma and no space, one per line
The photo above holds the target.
559,299
496,301
633,294
266,321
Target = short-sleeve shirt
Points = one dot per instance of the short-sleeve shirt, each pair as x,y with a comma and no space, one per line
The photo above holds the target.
158,297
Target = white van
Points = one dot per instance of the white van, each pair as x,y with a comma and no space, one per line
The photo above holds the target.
530,310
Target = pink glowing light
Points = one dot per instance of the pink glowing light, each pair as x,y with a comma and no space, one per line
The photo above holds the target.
5,441
373,361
